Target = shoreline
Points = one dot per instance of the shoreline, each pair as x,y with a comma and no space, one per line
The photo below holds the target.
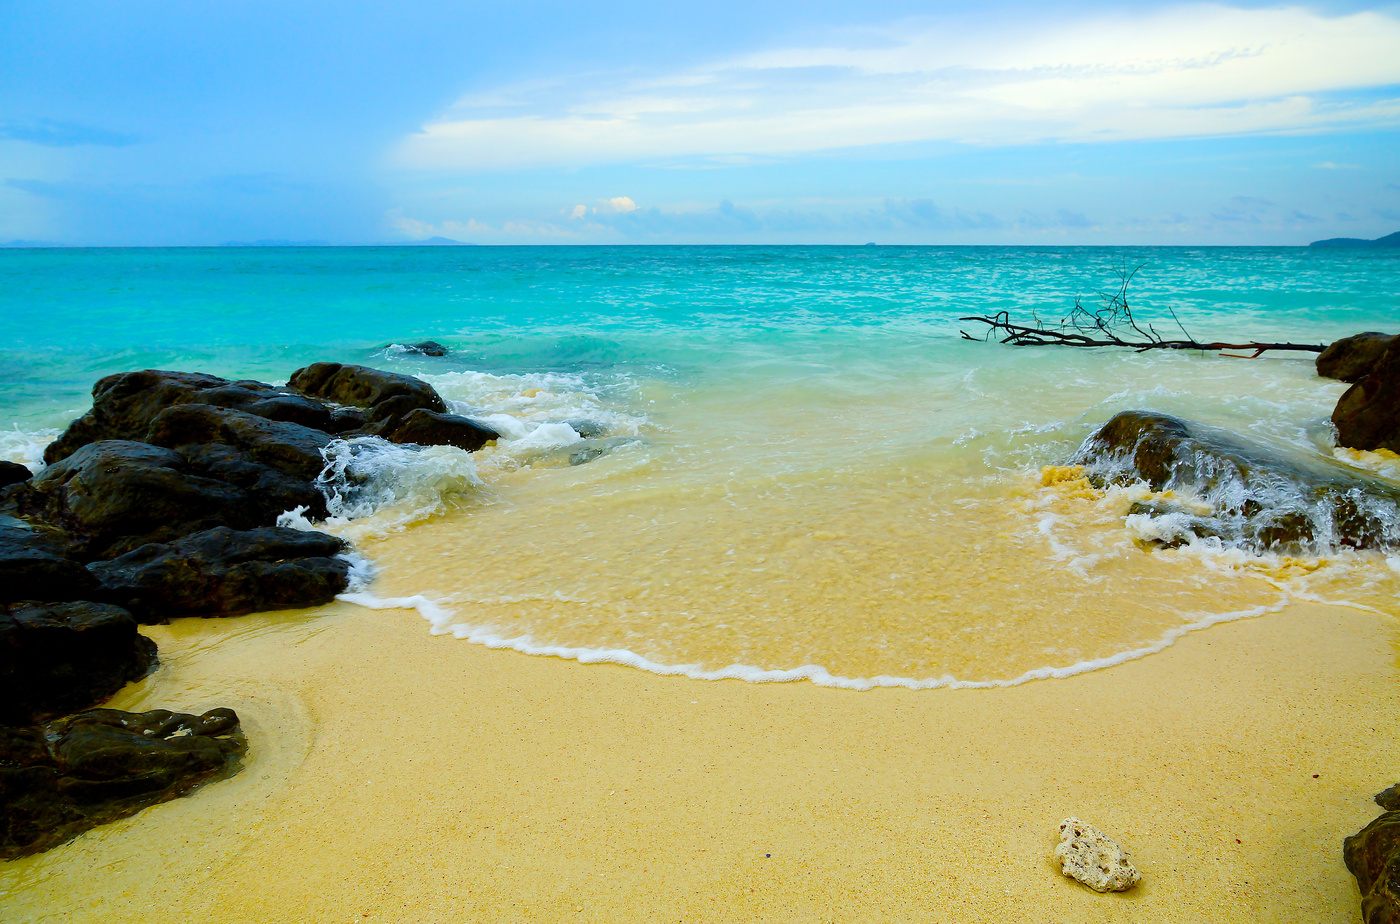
397,775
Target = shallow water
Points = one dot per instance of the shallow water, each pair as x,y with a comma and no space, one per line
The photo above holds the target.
794,466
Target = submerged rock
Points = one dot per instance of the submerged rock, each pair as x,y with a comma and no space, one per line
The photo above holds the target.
422,348
429,428
1367,415
63,778
1089,856
1373,857
1243,494
1351,359
58,657
225,572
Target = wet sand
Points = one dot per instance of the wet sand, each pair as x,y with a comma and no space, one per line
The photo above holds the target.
398,776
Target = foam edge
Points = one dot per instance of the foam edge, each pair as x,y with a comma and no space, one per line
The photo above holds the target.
441,623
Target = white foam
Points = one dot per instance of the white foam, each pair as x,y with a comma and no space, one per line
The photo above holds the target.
26,446
390,486
440,619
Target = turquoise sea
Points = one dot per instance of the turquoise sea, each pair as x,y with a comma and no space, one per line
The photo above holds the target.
796,466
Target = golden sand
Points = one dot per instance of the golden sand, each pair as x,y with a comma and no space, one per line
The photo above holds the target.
396,776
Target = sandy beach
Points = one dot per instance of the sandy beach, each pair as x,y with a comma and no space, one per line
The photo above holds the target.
394,775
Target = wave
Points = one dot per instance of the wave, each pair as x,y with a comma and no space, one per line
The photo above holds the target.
440,618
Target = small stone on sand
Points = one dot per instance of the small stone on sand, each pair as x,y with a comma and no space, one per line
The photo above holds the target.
1090,856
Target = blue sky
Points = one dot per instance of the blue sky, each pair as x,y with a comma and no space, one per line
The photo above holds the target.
146,123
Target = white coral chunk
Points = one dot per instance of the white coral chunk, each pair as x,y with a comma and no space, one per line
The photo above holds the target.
1092,857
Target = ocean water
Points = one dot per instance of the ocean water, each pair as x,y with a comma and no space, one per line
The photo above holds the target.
764,463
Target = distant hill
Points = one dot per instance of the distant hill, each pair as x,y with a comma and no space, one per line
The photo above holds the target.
442,242
1390,240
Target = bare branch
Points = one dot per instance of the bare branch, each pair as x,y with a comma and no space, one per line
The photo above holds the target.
1113,325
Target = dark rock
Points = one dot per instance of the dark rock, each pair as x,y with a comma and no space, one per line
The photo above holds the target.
287,447
63,778
425,348
1256,499
224,572
58,657
384,395
1373,857
34,565
124,405
429,428
1352,358
270,491
115,494
1367,415
13,473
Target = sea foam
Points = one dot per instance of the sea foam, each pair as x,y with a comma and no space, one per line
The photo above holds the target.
440,618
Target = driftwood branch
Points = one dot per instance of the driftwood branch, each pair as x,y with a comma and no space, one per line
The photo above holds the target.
1111,324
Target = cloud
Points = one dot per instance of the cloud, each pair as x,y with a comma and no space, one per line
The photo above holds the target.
617,205
1328,165
1186,71
892,219
53,134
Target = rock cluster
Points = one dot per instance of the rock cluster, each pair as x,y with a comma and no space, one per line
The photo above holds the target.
158,503
1367,415
1089,856
1256,499
1373,857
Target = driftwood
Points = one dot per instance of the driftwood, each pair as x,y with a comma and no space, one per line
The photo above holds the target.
1112,324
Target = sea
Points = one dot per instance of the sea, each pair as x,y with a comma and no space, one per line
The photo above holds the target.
761,463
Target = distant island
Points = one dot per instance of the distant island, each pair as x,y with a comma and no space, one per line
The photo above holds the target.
1390,240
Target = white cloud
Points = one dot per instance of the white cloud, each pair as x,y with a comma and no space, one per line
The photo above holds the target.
1187,71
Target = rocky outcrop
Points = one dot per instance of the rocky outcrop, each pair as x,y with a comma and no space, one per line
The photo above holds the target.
124,406
383,395
1239,493
59,657
114,495
1373,857
59,779
429,428
1089,856
1351,359
1367,415
224,572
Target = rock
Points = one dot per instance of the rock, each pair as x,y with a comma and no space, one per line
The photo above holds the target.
63,778
1352,358
1091,857
1367,415
424,348
124,405
112,495
1243,494
384,395
59,657
225,572
34,565
13,473
1373,857
287,447
429,428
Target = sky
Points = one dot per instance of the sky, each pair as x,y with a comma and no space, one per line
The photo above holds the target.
825,121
